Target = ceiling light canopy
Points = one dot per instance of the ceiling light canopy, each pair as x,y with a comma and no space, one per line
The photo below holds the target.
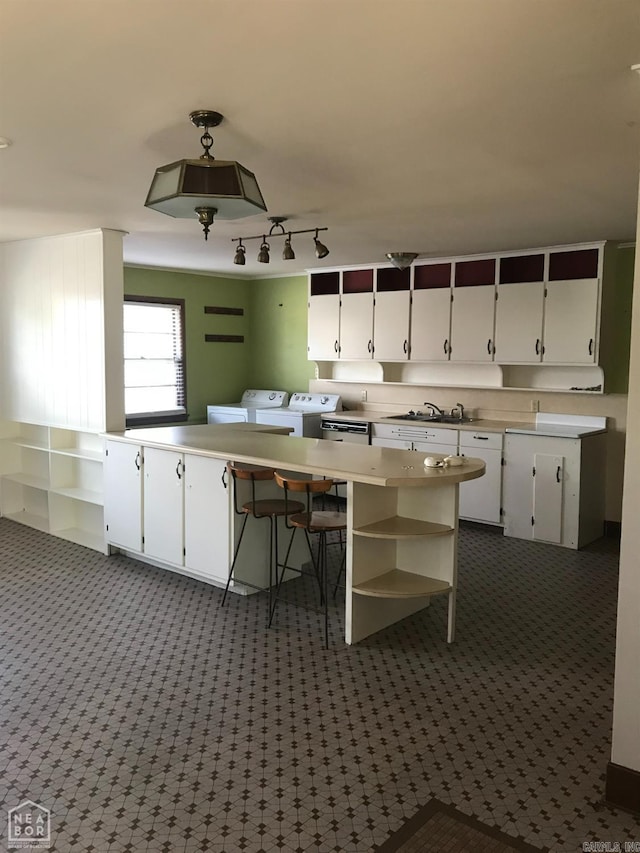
278,230
401,260
206,187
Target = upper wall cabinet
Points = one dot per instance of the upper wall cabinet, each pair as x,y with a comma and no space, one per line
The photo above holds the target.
431,312
558,306
324,316
391,314
356,315
520,309
572,315
473,310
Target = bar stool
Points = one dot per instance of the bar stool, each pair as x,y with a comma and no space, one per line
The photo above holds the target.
320,522
269,508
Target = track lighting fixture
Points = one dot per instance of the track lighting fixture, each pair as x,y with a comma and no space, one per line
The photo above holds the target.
401,260
277,230
321,249
206,187
239,255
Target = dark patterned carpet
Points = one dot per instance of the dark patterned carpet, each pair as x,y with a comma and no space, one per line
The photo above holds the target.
147,718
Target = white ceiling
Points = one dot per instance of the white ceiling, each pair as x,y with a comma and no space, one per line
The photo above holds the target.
433,126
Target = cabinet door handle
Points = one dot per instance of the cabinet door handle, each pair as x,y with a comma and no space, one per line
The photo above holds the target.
446,346
558,469
179,469
404,345
489,346
590,346
335,346
481,437
224,478
370,346
537,346
137,460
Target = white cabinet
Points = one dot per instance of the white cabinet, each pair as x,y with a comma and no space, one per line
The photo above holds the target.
473,310
423,439
481,500
391,326
553,488
123,495
431,312
391,314
206,517
356,326
163,505
324,327
520,308
323,342
571,322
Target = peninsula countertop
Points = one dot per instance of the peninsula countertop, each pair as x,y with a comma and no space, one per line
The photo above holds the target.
378,466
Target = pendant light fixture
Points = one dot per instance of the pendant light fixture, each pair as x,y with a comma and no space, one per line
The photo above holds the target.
205,187
401,260
277,230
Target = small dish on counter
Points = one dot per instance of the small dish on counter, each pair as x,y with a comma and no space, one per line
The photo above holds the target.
433,462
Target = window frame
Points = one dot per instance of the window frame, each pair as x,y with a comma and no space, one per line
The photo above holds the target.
151,418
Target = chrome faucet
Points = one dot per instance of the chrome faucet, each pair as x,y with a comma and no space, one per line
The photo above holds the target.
434,409
458,411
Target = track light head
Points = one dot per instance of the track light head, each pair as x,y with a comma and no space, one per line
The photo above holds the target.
321,249
287,253
263,254
239,257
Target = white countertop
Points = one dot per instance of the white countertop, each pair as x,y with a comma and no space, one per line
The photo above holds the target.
562,426
379,466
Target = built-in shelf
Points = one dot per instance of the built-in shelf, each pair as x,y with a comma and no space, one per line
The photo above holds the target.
79,494
78,453
400,584
51,479
399,527
30,519
28,480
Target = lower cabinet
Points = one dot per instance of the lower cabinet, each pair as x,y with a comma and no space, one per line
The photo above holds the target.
554,488
176,509
481,499
423,439
168,506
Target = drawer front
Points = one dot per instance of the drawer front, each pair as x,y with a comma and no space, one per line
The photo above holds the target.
486,440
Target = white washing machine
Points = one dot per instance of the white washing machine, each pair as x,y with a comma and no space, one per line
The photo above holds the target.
245,411
303,414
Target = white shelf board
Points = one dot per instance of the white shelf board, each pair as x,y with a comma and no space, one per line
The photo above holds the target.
80,495
399,527
28,480
92,455
400,584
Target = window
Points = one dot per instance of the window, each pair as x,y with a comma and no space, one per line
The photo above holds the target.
154,368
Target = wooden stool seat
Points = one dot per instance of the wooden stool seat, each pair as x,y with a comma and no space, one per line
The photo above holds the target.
321,520
275,506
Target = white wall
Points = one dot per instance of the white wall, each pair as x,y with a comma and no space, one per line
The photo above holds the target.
56,358
626,708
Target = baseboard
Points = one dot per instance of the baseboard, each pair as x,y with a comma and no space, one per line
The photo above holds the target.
623,788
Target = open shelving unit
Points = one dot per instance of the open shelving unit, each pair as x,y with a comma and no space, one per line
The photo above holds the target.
403,551
51,479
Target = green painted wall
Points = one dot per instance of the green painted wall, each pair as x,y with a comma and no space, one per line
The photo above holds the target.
216,372
279,334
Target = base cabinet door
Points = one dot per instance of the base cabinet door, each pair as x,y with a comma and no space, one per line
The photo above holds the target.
164,505
206,517
481,499
123,495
